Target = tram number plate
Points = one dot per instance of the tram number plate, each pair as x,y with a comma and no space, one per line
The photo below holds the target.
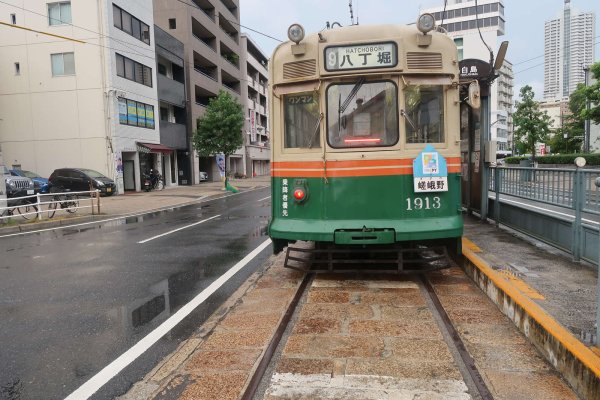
423,203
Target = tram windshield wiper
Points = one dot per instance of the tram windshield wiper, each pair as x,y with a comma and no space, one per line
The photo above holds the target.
410,121
351,95
317,127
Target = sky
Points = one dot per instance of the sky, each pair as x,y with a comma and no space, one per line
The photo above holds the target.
524,24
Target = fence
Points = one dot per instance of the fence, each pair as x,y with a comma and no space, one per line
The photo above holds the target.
571,190
46,205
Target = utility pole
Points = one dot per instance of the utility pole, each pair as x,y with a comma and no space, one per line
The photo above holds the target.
586,135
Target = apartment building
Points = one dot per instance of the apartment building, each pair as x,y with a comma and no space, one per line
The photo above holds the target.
460,21
209,31
254,65
85,97
568,49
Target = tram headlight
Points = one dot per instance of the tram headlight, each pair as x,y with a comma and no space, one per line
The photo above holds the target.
296,33
426,22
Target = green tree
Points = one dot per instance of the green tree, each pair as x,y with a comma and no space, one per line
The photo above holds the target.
569,137
219,130
532,125
592,95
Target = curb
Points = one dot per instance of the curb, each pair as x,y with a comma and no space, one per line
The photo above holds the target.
579,365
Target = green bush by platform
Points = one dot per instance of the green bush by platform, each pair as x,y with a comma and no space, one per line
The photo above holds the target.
592,159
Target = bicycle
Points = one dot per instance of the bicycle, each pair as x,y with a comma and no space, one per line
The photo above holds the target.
24,207
67,202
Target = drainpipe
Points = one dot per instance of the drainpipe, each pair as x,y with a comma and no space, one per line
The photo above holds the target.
110,163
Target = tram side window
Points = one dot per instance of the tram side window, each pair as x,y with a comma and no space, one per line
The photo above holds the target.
424,114
302,122
362,114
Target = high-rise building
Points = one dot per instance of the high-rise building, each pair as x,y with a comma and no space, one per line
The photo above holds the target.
568,48
460,21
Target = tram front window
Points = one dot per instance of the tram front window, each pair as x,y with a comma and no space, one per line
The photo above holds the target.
362,114
424,114
302,121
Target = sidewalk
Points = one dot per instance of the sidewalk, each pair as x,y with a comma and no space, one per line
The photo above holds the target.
138,202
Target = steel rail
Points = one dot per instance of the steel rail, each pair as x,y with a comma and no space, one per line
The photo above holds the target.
467,360
259,373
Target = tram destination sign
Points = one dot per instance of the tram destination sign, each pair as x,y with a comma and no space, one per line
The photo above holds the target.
361,56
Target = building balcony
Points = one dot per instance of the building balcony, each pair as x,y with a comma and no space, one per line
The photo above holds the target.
258,151
170,91
173,135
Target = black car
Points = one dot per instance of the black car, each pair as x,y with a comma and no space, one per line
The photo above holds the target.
80,180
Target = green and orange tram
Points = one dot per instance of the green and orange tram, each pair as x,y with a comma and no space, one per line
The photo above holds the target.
365,143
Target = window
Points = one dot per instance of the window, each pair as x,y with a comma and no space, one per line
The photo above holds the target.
131,25
302,121
17,68
459,46
13,19
424,115
162,69
172,23
59,13
362,114
133,70
63,64
134,113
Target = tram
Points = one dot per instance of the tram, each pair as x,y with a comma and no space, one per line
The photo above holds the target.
365,143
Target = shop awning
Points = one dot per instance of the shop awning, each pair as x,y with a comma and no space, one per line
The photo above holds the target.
153,148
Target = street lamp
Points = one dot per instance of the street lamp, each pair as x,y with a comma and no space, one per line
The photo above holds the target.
586,141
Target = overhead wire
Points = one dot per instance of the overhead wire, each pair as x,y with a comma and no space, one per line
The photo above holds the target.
119,41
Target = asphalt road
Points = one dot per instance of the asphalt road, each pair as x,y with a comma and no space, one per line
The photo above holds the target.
72,300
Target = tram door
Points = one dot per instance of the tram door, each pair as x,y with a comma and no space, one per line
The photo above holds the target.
470,150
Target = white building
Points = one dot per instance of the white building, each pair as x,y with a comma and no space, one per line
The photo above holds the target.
254,66
84,98
568,48
460,21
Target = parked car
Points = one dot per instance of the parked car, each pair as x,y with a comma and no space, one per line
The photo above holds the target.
203,176
17,186
40,184
80,180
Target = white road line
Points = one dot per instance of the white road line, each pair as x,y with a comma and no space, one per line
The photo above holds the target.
111,370
268,197
549,210
178,229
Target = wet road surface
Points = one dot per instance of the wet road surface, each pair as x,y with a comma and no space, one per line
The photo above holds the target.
73,300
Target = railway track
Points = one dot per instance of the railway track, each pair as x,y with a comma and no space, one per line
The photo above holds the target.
472,378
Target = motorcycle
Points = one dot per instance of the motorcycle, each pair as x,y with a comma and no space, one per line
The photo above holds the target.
147,183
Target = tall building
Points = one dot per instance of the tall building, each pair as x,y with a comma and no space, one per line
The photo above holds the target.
568,48
86,97
460,21
209,31
254,66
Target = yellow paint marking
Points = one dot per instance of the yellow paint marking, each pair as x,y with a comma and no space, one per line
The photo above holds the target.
596,350
522,286
590,359
470,245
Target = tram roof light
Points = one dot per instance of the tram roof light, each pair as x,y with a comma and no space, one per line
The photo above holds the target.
296,33
426,22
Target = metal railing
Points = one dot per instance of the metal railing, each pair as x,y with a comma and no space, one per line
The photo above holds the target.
572,190
46,205
559,187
